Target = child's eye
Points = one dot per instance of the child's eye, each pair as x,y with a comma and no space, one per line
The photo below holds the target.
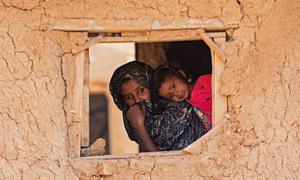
141,90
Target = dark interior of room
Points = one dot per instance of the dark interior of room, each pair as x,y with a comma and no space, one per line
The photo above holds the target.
99,119
193,56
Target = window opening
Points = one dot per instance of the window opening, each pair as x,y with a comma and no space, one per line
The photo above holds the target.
79,134
193,56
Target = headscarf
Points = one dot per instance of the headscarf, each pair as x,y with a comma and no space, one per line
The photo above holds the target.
134,70
171,126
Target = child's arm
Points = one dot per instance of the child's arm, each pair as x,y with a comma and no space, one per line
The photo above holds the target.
203,117
136,119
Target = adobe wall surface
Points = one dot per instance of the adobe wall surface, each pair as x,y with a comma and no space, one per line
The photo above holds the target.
258,139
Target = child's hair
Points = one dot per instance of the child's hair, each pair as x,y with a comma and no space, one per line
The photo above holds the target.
160,74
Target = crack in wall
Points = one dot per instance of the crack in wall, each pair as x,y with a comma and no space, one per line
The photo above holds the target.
65,86
187,11
22,8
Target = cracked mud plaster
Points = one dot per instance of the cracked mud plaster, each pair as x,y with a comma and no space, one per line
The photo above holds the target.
259,139
33,128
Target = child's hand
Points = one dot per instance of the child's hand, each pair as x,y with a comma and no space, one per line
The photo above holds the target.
135,116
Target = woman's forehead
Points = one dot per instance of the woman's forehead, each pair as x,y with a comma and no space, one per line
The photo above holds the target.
128,85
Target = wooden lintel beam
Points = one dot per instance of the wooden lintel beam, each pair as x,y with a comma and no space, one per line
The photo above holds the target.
94,26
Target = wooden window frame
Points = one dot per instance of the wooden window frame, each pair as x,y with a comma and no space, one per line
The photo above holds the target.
79,130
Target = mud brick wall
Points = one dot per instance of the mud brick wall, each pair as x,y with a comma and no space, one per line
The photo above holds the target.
259,137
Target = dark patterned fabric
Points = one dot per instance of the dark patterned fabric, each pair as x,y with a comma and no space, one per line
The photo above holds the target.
176,127
171,126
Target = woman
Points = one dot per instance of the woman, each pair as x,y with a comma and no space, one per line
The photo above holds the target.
167,126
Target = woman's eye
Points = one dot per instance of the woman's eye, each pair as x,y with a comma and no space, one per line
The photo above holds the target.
127,98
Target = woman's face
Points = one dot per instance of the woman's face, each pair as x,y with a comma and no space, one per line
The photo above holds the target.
132,93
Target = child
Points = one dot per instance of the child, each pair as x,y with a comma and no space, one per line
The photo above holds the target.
173,84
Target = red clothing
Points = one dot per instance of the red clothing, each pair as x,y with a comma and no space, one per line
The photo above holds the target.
201,95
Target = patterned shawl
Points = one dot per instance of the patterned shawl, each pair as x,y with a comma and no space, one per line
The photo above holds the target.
171,126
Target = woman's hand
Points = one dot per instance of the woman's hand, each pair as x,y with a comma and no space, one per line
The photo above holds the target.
135,116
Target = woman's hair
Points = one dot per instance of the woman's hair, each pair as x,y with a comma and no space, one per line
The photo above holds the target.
160,74
135,70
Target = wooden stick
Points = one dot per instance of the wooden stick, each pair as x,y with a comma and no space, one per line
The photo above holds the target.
212,45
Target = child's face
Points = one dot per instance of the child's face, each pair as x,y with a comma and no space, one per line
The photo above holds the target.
174,89
132,92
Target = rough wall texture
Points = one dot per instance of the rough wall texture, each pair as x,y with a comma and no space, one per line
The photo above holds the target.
260,138
33,131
